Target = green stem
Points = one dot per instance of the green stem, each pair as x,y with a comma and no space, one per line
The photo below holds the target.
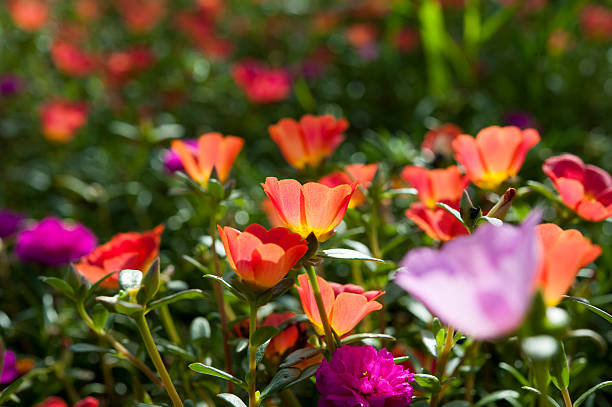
145,333
118,346
441,365
314,283
252,356
169,325
566,398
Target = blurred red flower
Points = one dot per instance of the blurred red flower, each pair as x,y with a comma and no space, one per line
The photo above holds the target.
439,140
199,26
61,119
72,60
596,22
141,16
261,83
123,65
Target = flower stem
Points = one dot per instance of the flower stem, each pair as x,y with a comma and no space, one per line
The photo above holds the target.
441,365
314,283
252,356
566,398
169,325
118,346
145,333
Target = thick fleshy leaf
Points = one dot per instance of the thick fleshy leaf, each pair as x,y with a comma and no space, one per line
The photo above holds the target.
191,294
213,371
348,254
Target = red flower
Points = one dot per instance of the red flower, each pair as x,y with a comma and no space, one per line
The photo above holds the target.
122,65
586,189
309,208
71,60
308,141
440,185
262,257
361,174
496,154
437,222
286,339
61,119
596,22
439,140
29,15
141,16
132,250
261,83
565,252
406,39
344,310
58,402
199,25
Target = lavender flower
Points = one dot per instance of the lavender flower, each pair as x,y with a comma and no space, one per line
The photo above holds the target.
53,242
10,223
362,376
172,162
481,284
9,367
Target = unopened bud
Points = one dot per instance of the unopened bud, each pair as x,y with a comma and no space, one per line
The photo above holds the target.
501,208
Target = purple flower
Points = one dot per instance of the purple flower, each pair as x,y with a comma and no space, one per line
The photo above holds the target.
10,85
481,284
522,120
361,376
10,223
53,242
9,367
172,162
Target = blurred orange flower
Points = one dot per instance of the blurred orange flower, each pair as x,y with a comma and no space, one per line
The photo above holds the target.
309,208
61,119
565,252
496,154
214,151
439,140
308,141
344,311
259,256
29,15
141,16
122,65
439,185
131,250
362,174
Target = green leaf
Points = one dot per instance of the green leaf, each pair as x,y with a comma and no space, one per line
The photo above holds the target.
14,387
559,371
540,347
457,403
590,391
544,191
122,307
534,390
199,329
232,399
401,191
272,293
99,315
88,348
263,334
428,382
514,372
213,371
361,337
281,380
401,359
498,395
591,307
299,356
591,335
347,254
227,285
60,285
430,342
129,279
492,221
190,294
150,283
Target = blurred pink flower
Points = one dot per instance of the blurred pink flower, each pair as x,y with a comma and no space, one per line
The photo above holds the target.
261,83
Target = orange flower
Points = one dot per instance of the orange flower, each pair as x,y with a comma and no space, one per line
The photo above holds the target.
286,339
310,141
586,189
496,154
344,310
440,185
29,15
362,174
262,257
141,16
61,119
132,250
439,140
273,218
214,150
309,208
564,253
437,222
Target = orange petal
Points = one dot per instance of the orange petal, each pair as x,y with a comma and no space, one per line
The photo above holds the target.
287,135
447,184
325,207
286,196
229,150
467,153
348,310
418,177
188,160
95,273
309,303
267,265
497,146
571,191
592,210
209,149
226,245
530,138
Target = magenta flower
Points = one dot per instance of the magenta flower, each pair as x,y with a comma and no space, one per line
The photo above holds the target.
172,161
361,376
8,369
53,242
481,284
10,222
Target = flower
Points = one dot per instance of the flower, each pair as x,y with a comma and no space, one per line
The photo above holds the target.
310,141
59,402
261,83
10,222
439,140
131,250
199,26
259,256
437,223
53,242
72,60
586,189
520,119
123,65
286,339
9,371
362,174
141,16
61,119
10,85
406,40
362,376
309,208
344,310
496,154
596,22
171,159
214,150
564,252
439,185
29,15
480,284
